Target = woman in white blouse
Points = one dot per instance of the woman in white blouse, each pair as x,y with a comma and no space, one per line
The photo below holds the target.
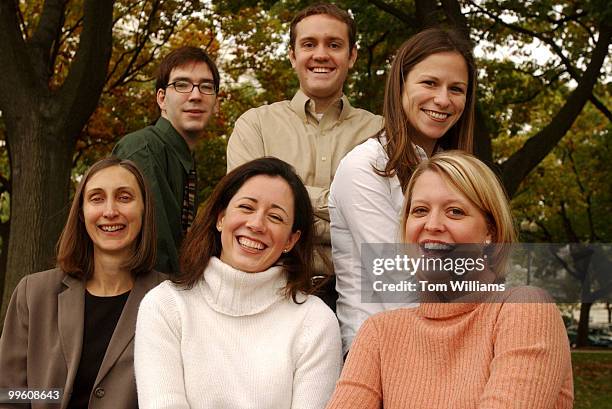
238,329
429,106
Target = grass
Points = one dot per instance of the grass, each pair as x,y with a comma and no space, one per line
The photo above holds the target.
592,379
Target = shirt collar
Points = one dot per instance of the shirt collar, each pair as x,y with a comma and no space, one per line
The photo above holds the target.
300,104
176,142
420,153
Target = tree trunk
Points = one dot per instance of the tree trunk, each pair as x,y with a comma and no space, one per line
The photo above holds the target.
41,159
42,125
582,338
427,13
5,229
482,138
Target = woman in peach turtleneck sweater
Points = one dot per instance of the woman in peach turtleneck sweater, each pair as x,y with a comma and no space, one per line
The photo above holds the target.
460,350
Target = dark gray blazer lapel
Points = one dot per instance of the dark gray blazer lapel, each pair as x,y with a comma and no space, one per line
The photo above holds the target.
70,318
126,326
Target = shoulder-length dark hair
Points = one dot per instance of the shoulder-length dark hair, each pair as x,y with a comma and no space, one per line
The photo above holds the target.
402,158
203,241
75,248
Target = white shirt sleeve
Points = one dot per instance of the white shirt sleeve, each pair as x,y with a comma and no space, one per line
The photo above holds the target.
158,362
364,208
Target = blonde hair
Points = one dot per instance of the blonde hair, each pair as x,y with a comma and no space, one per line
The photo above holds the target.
477,182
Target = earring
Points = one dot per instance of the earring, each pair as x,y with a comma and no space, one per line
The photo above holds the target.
286,251
487,242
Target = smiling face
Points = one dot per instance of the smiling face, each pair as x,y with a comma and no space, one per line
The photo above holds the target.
434,97
440,216
321,58
256,225
188,112
112,211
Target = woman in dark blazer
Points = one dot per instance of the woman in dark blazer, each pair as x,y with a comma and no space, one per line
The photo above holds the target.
73,327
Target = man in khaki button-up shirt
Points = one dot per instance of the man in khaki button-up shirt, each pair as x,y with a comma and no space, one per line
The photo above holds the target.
318,126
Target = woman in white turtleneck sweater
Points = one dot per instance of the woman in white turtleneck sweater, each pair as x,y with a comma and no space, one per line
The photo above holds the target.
237,329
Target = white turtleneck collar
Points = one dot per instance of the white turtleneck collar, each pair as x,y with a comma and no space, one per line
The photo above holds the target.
236,293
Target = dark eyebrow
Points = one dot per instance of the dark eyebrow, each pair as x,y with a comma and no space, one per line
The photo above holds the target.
93,190
304,39
433,77
125,188
129,189
275,206
207,80
328,38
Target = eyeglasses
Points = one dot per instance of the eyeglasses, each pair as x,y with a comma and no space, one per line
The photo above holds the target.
186,87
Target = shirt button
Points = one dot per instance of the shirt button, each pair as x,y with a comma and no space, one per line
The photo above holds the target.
323,158
99,392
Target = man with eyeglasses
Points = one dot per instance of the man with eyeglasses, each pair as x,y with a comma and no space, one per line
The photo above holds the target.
187,85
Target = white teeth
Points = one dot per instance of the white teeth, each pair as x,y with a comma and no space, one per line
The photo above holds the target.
436,115
112,228
321,70
437,246
251,243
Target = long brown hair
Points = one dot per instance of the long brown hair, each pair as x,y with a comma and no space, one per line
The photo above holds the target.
402,158
75,248
203,241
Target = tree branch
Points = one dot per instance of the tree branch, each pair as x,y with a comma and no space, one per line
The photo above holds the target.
543,85
63,35
81,90
547,236
132,67
71,29
566,17
567,223
537,147
141,42
5,184
132,5
587,197
211,39
15,62
426,13
406,18
47,33
22,24
371,48
602,108
567,267
602,292
555,48
452,9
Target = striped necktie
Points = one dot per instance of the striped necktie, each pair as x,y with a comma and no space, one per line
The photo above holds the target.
188,211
